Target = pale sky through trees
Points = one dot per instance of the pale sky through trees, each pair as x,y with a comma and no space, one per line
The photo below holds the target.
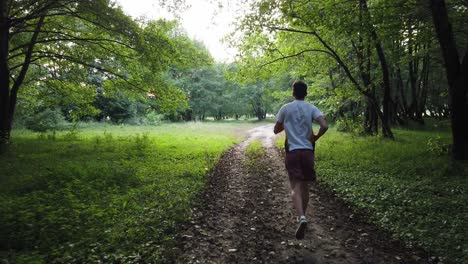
204,20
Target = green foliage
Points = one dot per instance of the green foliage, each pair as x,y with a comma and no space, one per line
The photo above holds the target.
76,37
47,120
116,196
210,93
340,46
404,186
75,99
101,63
258,99
118,106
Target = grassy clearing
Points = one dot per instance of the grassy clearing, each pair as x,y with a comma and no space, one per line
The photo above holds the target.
407,186
104,193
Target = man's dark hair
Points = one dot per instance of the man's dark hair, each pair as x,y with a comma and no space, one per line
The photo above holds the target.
300,89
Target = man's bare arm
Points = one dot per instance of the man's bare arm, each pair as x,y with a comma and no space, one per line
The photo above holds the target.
279,127
323,128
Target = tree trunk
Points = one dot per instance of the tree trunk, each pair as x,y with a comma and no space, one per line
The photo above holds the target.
404,100
371,121
387,100
457,79
8,97
423,87
24,70
364,54
402,105
188,115
5,122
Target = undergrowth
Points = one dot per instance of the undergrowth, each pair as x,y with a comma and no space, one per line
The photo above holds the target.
254,150
106,194
409,186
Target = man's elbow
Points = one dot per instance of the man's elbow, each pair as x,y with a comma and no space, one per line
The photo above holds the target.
324,126
278,128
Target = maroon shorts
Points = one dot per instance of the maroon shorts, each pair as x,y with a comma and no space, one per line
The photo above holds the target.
300,165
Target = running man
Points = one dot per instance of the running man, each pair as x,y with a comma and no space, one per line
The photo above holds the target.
296,119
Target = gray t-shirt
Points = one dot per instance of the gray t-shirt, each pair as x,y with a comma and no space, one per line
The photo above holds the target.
297,118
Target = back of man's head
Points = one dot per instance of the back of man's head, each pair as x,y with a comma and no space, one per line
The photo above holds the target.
299,89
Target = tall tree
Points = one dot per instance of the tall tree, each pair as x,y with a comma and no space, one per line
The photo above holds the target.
457,77
47,32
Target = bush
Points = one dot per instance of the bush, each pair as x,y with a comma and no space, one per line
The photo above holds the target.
437,146
133,121
47,120
348,125
153,118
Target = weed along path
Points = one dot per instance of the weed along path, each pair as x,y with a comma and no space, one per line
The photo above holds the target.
245,217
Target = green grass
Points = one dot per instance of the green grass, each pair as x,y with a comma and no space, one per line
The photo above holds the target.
104,193
407,186
254,150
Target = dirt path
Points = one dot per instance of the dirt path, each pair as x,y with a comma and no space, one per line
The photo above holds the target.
247,218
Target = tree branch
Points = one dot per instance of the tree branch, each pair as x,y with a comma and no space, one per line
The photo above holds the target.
73,39
331,52
24,69
27,58
292,30
76,14
342,64
107,72
35,14
32,60
294,55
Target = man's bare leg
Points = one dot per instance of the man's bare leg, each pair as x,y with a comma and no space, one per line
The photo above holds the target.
305,195
300,204
297,197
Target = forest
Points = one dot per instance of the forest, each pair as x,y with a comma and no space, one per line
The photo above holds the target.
113,128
